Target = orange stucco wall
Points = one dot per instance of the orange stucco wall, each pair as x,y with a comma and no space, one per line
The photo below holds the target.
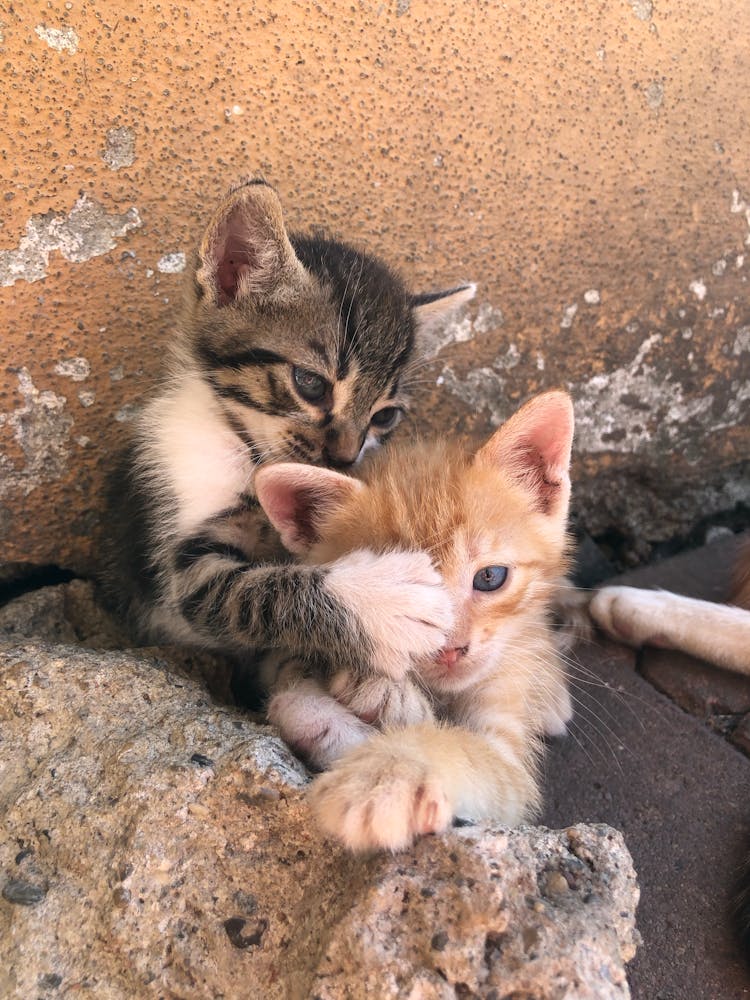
586,164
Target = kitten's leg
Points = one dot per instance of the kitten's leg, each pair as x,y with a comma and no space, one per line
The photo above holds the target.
380,612
309,720
718,633
404,783
321,725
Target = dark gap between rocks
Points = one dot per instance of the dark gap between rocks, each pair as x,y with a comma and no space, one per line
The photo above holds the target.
30,578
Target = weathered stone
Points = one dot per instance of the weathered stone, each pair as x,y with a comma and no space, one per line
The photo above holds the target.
66,613
168,875
70,614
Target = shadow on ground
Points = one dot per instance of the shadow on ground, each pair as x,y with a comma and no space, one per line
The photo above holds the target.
672,783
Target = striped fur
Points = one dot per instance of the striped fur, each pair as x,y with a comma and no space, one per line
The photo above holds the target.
190,557
498,683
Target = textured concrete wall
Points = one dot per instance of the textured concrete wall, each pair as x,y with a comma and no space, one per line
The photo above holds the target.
586,164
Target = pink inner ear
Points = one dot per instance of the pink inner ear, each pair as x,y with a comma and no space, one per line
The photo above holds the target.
534,447
234,259
297,498
289,507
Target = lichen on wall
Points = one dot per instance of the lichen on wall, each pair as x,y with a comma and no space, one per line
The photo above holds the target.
41,427
86,231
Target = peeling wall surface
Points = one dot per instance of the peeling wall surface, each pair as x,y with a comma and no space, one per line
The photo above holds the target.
586,164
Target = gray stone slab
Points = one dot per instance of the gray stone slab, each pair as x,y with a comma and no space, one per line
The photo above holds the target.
679,793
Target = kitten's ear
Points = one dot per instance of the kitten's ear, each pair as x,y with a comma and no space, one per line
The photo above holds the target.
298,499
245,250
534,448
432,309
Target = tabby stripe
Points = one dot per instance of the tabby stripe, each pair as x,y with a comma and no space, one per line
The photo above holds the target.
210,596
319,348
280,396
400,360
218,605
243,434
195,548
300,446
191,603
241,396
251,358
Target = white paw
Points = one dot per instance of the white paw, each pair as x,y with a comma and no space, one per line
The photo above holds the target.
373,798
401,603
630,615
558,713
314,725
381,701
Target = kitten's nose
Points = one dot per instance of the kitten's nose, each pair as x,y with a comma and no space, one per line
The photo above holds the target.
343,445
338,461
449,657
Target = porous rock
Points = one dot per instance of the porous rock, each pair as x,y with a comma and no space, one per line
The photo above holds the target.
156,844
71,614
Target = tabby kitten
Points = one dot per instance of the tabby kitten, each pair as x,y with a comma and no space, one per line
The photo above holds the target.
494,523
288,347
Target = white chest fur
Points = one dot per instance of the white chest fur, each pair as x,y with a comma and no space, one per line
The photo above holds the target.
193,454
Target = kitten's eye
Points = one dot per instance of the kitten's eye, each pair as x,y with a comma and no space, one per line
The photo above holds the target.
386,417
310,386
490,578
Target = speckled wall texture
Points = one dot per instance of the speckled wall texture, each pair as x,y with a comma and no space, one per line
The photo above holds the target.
587,164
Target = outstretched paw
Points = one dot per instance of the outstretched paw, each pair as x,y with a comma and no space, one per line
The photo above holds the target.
401,602
374,798
631,615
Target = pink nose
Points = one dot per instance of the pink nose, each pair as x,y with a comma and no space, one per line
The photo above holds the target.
450,657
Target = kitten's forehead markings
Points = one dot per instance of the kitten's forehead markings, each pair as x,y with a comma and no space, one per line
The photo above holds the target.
343,392
318,348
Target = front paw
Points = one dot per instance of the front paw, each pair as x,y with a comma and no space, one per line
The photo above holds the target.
375,798
316,727
401,602
381,701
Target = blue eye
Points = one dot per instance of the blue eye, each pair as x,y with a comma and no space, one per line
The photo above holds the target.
490,578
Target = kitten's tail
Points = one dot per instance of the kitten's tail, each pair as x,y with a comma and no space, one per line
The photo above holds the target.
741,909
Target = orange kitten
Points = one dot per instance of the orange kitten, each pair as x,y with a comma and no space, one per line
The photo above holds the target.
494,524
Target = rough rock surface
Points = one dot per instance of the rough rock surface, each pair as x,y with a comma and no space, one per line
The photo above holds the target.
70,613
158,844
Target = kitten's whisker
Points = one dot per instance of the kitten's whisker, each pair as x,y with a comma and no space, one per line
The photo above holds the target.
350,346
598,724
572,725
